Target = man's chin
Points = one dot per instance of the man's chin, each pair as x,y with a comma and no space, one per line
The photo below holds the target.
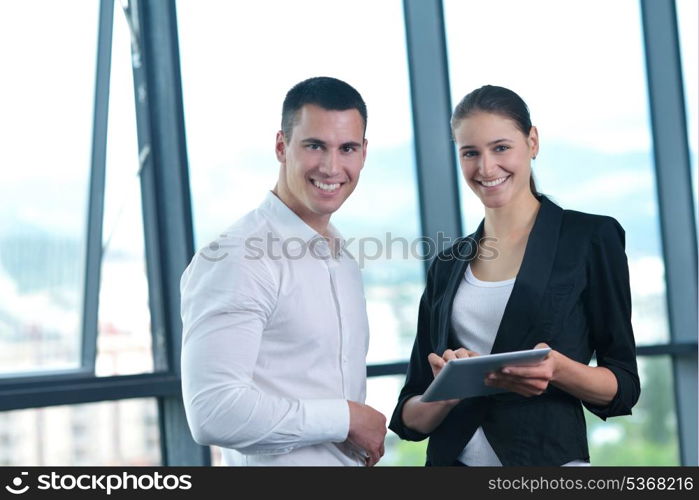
327,208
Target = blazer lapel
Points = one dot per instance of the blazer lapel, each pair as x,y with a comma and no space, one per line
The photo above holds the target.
533,277
465,251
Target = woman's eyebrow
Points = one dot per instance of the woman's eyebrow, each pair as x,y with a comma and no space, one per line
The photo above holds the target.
489,144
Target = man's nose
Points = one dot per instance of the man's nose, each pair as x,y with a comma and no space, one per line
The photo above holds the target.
330,165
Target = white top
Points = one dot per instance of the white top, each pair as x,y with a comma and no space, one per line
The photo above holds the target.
476,314
275,336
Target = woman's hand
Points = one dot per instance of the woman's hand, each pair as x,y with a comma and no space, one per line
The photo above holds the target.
438,362
426,417
526,380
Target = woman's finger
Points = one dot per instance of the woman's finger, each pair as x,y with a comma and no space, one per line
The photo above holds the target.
523,386
462,353
539,371
435,360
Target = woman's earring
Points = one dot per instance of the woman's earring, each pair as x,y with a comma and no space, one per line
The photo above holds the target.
534,157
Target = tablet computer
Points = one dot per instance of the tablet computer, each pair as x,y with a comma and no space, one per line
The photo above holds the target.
463,378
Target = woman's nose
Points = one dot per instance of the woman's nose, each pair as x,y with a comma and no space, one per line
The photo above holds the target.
486,166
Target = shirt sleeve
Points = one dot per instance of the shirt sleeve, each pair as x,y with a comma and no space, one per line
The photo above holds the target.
225,307
608,305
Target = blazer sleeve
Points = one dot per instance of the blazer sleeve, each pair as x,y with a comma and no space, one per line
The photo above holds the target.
419,375
607,301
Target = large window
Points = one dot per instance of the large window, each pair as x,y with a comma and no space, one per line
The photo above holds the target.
588,98
121,433
65,156
649,437
46,123
124,336
233,100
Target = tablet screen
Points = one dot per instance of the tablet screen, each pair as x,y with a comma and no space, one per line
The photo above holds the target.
463,378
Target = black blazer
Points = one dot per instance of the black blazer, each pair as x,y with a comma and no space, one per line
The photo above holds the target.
572,292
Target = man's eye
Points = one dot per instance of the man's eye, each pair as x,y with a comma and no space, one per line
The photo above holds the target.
348,149
313,147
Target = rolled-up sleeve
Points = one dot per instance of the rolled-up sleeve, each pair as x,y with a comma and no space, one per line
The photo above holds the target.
608,305
225,307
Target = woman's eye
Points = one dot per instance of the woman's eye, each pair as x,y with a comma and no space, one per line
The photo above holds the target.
469,154
501,148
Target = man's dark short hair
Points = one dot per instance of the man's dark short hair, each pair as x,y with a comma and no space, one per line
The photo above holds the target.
323,91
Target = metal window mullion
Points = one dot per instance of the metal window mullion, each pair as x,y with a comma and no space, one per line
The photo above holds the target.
166,204
95,212
437,178
673,181
148,196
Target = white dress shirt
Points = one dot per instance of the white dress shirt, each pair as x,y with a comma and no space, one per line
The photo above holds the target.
275,336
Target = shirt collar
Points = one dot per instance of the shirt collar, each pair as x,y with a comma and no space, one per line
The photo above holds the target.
289,225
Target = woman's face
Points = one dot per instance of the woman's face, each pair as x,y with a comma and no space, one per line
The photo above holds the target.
495,157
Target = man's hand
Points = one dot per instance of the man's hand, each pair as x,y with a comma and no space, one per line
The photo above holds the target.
367,431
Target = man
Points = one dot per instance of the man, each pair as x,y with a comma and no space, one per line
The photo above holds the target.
275,327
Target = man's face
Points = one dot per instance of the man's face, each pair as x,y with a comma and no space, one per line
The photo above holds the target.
320,162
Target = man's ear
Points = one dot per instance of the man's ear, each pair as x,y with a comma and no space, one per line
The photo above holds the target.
364,152
280,147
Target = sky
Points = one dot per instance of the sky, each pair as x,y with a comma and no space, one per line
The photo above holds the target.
583,90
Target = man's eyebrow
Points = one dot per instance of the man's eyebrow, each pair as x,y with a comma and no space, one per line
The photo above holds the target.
313,140
489,144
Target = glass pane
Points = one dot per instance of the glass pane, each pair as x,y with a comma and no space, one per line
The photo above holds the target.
124,339
382,394
46,126
122,433
688,25
649,436
587,96
236,70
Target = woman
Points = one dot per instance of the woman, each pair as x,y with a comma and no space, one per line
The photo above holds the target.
532,275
